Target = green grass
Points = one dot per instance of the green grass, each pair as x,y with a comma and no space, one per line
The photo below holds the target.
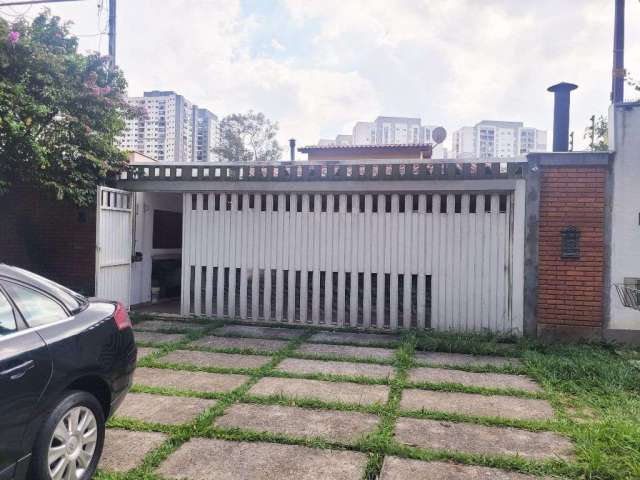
595,392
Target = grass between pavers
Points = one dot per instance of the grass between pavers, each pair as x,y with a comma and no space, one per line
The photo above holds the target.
595,393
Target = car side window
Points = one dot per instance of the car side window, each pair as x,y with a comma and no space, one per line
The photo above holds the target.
7,317
36,308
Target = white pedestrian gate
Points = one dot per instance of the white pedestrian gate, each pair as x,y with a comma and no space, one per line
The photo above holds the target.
368,260
113,244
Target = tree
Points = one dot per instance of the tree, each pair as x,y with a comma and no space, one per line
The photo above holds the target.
60,111
598,134
249,137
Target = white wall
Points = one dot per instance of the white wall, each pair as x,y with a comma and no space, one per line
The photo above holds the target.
625,232
146,203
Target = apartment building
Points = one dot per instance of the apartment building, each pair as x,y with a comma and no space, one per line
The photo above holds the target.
497,139
389,131
171,129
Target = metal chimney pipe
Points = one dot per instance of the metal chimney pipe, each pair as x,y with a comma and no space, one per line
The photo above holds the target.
562,102
292,148
618,73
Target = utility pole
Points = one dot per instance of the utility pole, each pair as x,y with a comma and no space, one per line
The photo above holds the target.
618,74
112,32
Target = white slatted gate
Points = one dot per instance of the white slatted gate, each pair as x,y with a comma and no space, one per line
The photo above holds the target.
113,244
384,261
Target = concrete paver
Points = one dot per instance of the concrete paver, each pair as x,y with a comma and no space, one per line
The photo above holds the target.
259,332
184,380
144,351
210,359
208,459
465,360
476,404
305,366
331,425
126,449
258,345
325,391
469,379
395,468
356,338
346,351
481,439
157,325
158,338
162,408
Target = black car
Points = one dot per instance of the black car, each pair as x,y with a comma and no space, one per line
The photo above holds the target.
66,364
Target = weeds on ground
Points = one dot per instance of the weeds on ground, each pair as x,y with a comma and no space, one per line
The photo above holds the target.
594,389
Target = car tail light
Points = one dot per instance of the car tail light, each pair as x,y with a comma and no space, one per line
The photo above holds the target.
121,317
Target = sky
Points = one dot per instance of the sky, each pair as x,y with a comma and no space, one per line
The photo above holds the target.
318,66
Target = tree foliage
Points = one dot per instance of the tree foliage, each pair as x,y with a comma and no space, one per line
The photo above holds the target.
249,137
60,111
598,134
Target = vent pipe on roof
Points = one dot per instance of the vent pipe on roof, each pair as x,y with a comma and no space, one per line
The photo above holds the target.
561,105
292,148
618,73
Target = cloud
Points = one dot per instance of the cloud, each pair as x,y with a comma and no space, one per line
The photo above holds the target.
318,67
276,45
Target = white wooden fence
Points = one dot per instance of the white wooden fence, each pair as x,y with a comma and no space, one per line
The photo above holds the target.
369,260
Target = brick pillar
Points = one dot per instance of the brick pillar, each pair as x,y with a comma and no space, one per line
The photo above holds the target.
570,290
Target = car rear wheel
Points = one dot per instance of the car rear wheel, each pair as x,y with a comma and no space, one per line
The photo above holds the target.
70,444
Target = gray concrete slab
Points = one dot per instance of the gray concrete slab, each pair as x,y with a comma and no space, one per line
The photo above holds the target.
162,408
476,405
145,351
258,345
305,366
325,391
346,351
210,359
469,379
331,425
481,439
158,325
184,380
208,459
158,338
395,468
356,338
260,332
465,360
126,449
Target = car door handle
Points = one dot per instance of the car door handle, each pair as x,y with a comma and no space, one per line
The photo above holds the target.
14,373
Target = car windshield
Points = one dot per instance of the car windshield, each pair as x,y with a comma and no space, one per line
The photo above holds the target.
72,300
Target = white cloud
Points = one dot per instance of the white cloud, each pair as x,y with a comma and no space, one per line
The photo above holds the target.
452,62
276,45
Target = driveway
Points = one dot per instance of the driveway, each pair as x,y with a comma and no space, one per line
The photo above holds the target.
214,401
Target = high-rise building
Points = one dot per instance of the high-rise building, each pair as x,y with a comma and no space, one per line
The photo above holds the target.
497,139
389,131
206,134
171,129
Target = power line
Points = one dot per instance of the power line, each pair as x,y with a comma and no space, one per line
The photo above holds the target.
35,2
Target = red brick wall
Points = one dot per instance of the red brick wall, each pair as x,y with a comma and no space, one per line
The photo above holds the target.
570,291
50,237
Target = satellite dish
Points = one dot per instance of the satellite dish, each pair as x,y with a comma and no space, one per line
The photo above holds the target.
438,135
